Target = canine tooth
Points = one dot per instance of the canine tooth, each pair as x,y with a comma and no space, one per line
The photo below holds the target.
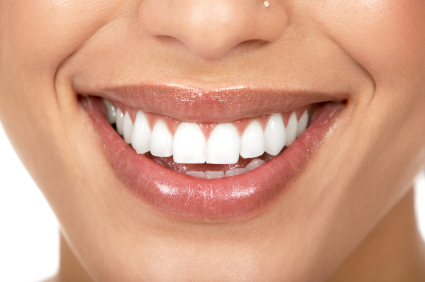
213,174
254,164
141,138
274,135
161,140
199,174
291,129
252,141
120,121
189,145
224,145
110,111
127,128
302,124
235,171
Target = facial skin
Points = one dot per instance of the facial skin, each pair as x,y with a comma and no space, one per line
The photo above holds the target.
373,51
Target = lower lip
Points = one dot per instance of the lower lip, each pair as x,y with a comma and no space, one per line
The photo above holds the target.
182,196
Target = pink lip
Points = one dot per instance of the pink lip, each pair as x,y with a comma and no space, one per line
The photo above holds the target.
209,105
182,196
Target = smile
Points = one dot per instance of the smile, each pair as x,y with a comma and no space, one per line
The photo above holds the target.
241,145
226,168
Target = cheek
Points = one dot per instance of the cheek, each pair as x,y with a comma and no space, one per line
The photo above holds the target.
385,37
36,37
39,35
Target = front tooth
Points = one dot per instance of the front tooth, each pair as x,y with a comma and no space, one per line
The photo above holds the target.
213,174
189,145
235,171
252,141
254,164
127,128
291,129
302,124
161,140
199,174
274,135
110,111
120,121
141,138
223,145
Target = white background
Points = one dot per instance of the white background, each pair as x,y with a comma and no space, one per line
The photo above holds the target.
29,240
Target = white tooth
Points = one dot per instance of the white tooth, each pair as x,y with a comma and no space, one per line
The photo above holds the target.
189,145
235,171
291,129
254,164
110,111
120,121
275,135
302,124
252,141
141,138
161,140
127,128
223,145
199,174
213,174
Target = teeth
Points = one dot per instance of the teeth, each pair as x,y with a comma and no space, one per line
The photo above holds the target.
223,145
120,121
235,171
161,140
252,141
231,172
291,129
189,144
110,111
213,174
302,124
141,138
199,174
254,164
274,135
127,128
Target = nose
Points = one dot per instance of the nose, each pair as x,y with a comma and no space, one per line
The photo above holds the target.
212,28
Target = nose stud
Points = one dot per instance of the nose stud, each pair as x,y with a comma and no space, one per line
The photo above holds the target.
266,4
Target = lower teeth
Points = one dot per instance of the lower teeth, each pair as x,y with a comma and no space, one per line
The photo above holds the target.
211,174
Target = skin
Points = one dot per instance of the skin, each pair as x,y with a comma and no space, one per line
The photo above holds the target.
349,215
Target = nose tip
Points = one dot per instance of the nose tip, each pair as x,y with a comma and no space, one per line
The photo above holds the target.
212,28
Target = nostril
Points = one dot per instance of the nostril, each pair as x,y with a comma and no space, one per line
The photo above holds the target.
167,39
253,43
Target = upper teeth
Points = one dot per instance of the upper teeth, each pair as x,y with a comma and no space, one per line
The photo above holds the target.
189,145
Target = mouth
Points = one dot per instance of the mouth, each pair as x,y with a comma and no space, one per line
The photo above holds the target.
209,155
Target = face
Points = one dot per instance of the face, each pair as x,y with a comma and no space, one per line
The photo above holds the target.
356,67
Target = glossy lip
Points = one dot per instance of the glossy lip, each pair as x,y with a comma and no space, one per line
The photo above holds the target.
182,196
199,105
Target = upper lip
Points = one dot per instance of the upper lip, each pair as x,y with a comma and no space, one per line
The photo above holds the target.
192,104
